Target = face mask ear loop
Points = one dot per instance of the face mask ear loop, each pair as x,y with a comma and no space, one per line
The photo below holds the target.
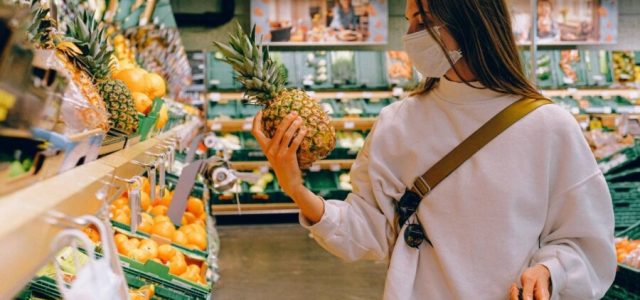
436,35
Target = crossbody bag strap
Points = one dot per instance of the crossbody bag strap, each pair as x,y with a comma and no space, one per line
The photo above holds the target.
485,134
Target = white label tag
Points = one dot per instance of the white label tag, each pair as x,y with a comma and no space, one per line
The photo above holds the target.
264,169
315,168
636,109
247,126
134,205
397,92
606,95
598,77
572,90
367,95
349,125
151,173
216,126
215,97
607,109
307,82
339,95
634,95
311,94
575,110
335,168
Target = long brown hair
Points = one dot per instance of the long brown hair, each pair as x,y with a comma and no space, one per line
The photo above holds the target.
482,28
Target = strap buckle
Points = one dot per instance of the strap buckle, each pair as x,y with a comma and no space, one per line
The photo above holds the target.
423,190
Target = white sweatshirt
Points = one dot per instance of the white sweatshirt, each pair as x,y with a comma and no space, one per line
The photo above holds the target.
534,195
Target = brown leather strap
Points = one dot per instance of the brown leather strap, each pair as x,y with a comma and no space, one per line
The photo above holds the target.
490,130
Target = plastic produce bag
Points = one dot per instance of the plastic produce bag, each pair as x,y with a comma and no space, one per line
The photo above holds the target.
79,115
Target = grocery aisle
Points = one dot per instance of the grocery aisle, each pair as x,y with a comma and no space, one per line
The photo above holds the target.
283,262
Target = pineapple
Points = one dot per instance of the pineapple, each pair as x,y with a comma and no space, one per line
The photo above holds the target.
264,81
90,61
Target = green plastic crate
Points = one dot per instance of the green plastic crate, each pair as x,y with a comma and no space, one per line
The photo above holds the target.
628,278
303,69
626,204
598,67
220,75
373,107
223,109
370,71
288,60
577,66
622,160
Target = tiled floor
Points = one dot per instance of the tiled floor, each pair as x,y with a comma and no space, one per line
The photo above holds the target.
282,262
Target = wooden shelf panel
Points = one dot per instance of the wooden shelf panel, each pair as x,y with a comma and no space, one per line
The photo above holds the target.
335,165
231,96
26,232
248,209
239,125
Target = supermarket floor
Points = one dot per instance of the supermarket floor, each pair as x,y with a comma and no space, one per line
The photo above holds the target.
282,262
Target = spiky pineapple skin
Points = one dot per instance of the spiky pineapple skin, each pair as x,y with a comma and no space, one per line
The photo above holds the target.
320,139
117,97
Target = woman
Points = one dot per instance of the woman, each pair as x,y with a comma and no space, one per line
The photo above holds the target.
530,210
344,16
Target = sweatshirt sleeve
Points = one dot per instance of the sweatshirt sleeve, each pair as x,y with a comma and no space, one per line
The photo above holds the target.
356,228
577,242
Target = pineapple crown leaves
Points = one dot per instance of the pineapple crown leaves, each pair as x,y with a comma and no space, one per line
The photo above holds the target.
91,39
262,77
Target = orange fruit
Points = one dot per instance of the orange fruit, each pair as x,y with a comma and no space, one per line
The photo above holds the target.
198,227
158,219
150,246
146,186
198,240
145,201
122,218
202,217
195,206
156,87
166,200
141,102
126,210
191,274
134,242
180,238
120,202
119,238
188,218
125,248
92,233
134,79
186,229
177,266
166,252
140,255
163,117
164,229
146,217
145,226
159,210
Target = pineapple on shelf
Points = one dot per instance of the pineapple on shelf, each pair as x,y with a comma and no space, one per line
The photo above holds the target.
264,82
90,61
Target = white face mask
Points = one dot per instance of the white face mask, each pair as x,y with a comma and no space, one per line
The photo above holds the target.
427,56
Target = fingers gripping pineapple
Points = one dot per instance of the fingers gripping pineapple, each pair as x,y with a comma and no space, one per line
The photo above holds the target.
264,82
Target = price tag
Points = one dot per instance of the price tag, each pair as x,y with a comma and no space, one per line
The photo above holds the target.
606,95
598,77
214,82
607,109
335,167
216,126
182,191
397,91
311,94
315,168
367,95
134,204
634,95
161,177
264,169
339,95
572,90
636,109
247,126
151,173
215,97
575,110
349,125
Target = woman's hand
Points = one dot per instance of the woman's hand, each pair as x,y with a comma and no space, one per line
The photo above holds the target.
281,150
536,284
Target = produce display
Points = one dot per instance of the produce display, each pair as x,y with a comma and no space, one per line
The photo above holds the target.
624,66
628,252
264,83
